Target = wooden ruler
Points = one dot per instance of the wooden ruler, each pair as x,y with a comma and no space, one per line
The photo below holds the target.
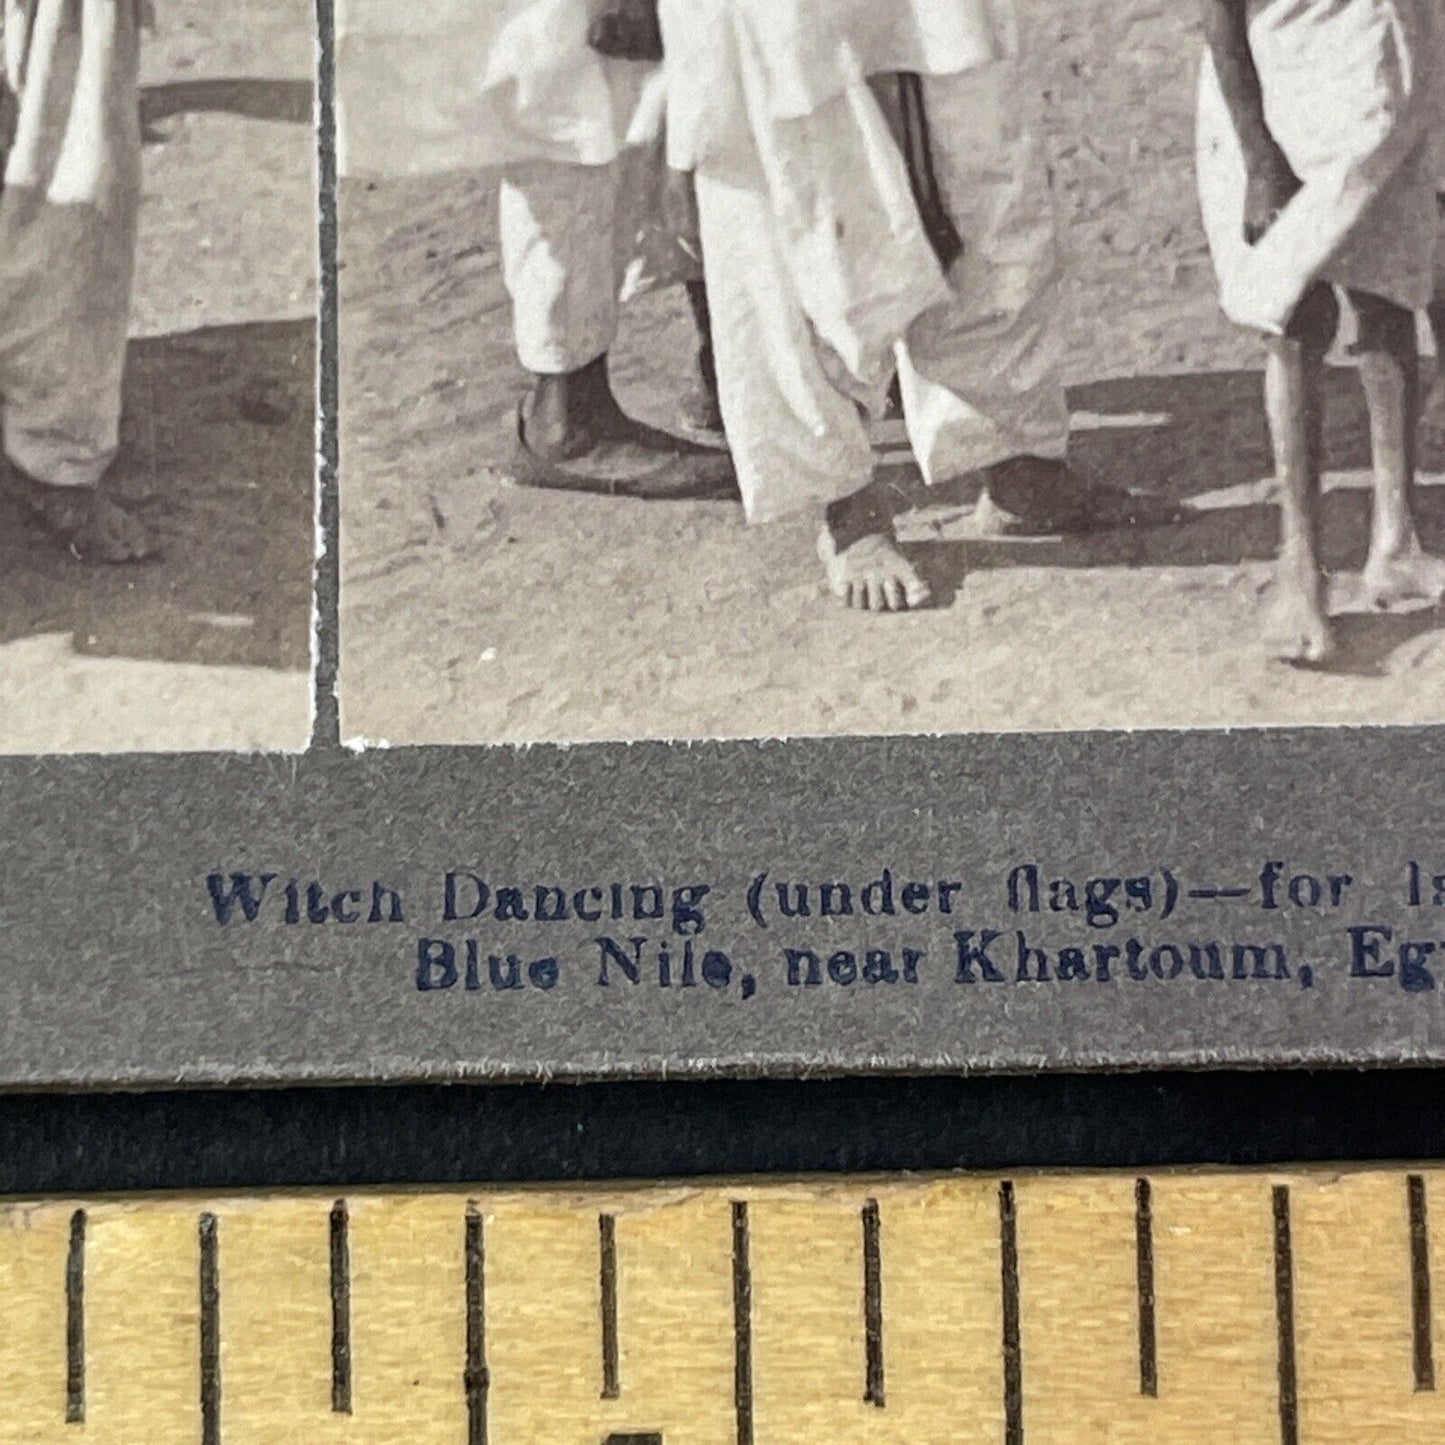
1071,1308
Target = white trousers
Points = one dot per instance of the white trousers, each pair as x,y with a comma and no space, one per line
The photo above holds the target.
68,214
577,239
556,222
980,371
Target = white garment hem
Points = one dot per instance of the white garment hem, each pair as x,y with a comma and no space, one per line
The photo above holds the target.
40,465
559,363
963,461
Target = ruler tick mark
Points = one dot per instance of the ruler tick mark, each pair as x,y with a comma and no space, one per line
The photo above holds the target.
210,1282
1144,1270
340,1309
75,1321
873,1391
1284,1317
1013,1355
607,1272
1421,1336
478,1377
742,1324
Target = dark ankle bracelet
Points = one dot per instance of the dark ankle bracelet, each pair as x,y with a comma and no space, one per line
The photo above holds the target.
855,517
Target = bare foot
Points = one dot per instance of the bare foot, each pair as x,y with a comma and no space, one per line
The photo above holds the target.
1033,496
1411,575
991,521
84,519
1299,631
865,569
871,573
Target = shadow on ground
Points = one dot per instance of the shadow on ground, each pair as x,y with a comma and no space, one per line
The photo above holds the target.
217,443
1193,440
287,101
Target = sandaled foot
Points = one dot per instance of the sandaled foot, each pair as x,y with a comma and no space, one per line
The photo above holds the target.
871,573
573,435
1033,496
1299,629
1398,579
624,458
85,520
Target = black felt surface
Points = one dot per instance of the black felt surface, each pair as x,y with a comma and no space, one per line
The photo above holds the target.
86,1143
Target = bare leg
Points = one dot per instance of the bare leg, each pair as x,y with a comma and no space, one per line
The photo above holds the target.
1398,568
1294,395
627,30
1433,421
864,566
700,408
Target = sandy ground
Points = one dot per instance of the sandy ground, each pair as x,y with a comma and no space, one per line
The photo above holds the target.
210,646
474,612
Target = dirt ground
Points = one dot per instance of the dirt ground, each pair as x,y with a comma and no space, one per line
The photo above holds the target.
475,612
210,646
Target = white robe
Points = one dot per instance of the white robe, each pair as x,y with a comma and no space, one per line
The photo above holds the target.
513,86
1350,91
801,54
68,220
821,279
447,85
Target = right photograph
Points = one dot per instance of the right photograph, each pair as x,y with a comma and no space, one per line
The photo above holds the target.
773,368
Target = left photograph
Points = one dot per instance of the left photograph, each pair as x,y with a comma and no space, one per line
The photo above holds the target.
158,298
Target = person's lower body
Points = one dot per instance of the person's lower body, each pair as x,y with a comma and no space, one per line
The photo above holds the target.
1285,287
1433,420
798,441
1397,570
981,376
562,270
68,220
979,372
